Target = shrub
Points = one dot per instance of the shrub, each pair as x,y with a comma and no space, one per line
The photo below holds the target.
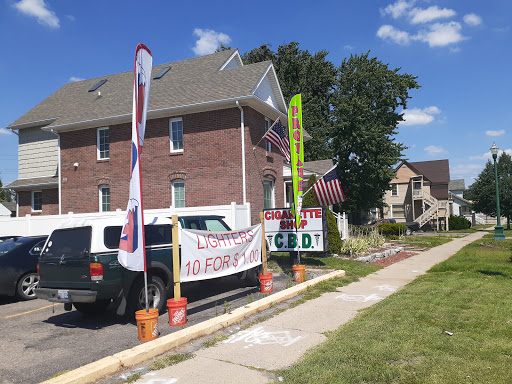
458,222
357,245
392,230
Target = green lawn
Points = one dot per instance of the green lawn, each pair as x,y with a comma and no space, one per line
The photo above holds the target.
424,241
401,339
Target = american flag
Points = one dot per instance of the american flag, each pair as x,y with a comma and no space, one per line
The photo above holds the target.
277,136
328,189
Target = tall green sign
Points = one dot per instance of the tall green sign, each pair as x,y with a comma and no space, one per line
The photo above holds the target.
297,153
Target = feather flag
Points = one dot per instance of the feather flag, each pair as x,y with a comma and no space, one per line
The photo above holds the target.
131,245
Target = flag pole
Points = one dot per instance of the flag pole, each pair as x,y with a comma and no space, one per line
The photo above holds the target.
265,135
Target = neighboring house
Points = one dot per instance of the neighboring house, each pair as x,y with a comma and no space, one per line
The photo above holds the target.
419,193
205,117
7,209
459,206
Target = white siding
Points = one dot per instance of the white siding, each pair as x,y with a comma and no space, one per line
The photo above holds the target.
37,153
264,92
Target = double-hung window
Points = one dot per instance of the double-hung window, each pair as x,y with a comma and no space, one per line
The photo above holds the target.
176,134
103,143
268,194
394,189
104,198
37,201
178,194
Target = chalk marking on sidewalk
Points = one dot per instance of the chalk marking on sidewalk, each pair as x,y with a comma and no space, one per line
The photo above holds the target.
386,288
261,337
360,298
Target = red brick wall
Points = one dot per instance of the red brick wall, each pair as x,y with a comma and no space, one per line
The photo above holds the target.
50,203
211,163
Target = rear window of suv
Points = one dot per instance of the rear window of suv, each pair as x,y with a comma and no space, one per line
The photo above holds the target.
69,242
153,234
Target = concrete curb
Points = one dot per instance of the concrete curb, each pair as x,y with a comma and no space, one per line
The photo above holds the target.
94,371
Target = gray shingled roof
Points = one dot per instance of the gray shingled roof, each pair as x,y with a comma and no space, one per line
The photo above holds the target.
456,185
319,167
437,171
37,182
189,82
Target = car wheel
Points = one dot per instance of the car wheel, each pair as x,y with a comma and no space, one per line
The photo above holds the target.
26,286
157,295
252,278
99,306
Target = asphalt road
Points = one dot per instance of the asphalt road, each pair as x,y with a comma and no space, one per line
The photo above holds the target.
39,339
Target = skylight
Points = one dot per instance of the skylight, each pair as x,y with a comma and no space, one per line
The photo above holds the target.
162,73
98,84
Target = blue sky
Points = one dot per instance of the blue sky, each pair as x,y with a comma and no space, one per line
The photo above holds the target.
460,51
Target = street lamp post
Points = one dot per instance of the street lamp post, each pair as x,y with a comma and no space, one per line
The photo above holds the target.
499,234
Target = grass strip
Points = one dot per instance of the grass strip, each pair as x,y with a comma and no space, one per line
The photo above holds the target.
401,339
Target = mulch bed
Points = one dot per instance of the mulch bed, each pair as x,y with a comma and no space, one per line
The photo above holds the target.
394,258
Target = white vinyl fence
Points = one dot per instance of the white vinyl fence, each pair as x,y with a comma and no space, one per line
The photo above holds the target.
236,216
342,221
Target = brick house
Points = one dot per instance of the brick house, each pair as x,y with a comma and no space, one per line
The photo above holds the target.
419,192
205,117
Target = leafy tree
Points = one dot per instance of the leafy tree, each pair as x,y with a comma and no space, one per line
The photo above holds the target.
314,77
223,47
6,194
365,112
483,191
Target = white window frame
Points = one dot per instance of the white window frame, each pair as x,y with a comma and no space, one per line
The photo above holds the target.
98,143
171,139
32,201
394,189
268,144
100,190
272,192
173,189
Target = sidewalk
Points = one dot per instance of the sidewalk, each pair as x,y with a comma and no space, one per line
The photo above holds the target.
248,355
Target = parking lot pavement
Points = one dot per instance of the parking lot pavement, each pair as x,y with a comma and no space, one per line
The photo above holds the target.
44,339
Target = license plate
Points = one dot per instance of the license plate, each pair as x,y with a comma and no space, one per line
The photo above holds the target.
63,295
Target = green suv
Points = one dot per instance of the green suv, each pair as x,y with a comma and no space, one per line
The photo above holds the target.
78,265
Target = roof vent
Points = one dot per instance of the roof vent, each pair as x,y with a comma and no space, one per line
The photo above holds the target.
162,73
98,84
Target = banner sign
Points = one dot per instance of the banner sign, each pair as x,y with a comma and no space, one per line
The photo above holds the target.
132,253
296,152
281,233
208,254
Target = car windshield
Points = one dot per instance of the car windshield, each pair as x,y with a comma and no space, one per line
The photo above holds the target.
9,245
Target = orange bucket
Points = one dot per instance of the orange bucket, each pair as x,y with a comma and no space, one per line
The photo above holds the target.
299,273
147,324
266,283
177,311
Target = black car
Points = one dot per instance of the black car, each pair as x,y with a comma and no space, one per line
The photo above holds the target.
18,266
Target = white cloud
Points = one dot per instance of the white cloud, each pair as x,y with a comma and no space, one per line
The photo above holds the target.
433,150
4,131
388,32
472,19
441,34
209,41
420,16
416,116
495,133
74,79
397,9
39,10
488,156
